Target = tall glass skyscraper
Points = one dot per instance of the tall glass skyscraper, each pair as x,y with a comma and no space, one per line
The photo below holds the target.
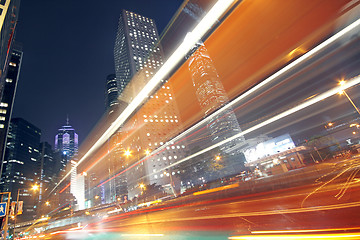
22,165
135,47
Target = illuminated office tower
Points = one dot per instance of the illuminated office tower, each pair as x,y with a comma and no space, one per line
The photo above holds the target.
8,95
66,142
135,47
211,96
22,164
137,58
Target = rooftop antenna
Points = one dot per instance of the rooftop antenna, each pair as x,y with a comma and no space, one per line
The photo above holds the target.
67,119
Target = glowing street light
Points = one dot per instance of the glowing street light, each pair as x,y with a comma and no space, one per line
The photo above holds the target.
147,152
342,83
35,187
127,153
217,158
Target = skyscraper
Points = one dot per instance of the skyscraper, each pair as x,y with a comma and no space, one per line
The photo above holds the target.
9,12
211,95
135,47
22,165
8,95
66,142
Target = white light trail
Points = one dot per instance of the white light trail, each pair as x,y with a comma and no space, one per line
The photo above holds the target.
210,19
268,80
282,115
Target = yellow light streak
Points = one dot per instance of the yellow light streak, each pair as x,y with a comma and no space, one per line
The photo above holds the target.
216,189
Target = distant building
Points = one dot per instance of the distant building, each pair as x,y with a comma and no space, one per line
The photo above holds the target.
111,94
8,95
48,174
67,143
22,164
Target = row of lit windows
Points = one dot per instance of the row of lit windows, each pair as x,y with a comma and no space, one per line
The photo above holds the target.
161,120
156,116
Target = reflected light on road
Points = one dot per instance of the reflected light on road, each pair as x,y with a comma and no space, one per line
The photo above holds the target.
300,236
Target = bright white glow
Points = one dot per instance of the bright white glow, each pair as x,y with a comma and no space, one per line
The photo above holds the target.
210,19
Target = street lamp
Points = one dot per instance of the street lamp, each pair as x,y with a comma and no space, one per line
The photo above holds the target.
342,83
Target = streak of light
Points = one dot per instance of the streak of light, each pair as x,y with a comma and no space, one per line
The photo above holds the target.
143,235
301,236
62,190
346,185
262,84
216,189
239,214
305,230
210,19
326,183
310,102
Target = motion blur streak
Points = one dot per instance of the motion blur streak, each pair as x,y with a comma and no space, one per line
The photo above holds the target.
216,189
210,19
142,235
310,236
305,230
286,113
262,84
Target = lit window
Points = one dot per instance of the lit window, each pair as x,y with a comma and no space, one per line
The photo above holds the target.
3,111
9,80
2,126
2,104
2,118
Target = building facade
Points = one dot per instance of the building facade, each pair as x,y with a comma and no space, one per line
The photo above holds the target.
8,95
135,47
111,94
211,96
22,164
67,143
9,12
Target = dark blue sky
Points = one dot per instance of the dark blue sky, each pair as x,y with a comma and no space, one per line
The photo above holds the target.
68,52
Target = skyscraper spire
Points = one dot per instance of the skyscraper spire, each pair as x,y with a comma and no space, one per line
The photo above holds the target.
67,119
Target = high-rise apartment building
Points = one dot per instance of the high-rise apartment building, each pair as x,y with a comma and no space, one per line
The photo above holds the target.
8,95
22,165
135,48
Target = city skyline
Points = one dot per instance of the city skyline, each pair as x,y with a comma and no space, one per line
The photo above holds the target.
61,85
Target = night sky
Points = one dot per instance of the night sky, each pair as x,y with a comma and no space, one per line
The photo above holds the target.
68,52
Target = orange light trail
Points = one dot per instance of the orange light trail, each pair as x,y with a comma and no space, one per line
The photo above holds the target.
68,185
300,236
